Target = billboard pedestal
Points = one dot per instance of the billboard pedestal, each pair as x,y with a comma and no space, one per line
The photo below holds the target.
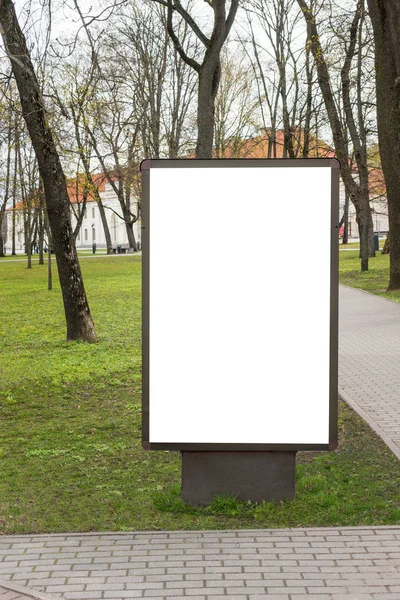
254,476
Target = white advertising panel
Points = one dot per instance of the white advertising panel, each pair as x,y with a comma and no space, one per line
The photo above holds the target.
239,343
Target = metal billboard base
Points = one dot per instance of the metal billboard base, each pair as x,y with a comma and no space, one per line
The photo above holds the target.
254,476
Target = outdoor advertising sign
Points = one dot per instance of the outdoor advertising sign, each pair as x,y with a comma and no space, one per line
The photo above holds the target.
240,311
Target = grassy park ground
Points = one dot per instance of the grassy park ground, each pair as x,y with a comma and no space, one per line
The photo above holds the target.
375,280
70,422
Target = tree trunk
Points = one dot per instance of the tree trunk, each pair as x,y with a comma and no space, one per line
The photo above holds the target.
13,252
29,253
386,245
371,244
363,233
28,235
106,228
41,239
14,193
41,231
367,246
77,312
345,239
385,17
7,186
49,269
208,88
2,213
79,214
129,227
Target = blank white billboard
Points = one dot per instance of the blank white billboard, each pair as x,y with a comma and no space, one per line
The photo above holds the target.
238,316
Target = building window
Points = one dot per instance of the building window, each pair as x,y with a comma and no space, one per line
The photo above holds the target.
86,235
84,213
78,237
93,234
93,213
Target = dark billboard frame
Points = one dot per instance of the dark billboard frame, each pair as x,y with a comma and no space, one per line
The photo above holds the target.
145,167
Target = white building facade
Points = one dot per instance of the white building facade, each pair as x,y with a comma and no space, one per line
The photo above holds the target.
91,230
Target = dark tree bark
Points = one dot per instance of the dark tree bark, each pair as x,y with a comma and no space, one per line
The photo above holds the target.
103,217
345,239
41,229
386,245
385,17
77,313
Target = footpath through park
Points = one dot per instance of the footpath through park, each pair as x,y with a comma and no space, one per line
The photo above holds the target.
352,563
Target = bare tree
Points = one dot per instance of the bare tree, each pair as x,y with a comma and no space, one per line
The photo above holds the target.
77,312
357,186
114,133
164,84
284,73
236,107
278,22
209,69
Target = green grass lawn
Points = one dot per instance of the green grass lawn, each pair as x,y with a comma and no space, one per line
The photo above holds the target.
70,427
375,280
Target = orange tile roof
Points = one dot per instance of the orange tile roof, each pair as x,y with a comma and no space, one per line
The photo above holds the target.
75,192
257,147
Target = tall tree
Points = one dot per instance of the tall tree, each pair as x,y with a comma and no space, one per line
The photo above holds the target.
278,22
357,186
209,70
385,17
6,179
77,312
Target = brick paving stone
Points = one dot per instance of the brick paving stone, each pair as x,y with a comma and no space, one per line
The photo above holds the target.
20,593
11,595
321,571
369,355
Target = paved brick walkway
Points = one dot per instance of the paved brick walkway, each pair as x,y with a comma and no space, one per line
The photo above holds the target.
369,361
285,564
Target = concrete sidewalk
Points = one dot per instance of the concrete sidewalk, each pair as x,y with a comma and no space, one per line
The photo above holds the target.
287,564
369,361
